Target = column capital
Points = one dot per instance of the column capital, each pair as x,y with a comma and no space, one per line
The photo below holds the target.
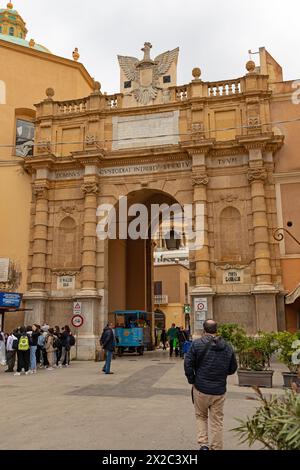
40,189
90,188
200,179
257,174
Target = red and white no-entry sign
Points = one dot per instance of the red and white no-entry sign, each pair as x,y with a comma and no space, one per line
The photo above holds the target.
77,321
200,306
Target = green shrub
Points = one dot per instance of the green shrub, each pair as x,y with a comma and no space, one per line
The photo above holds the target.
276,423
285,349
254,352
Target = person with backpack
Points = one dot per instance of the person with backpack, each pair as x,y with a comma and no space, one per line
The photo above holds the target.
182,338
59,345
11,350
107,341
50,347
65,342
207,364
45,362
34,336
172,335
23,351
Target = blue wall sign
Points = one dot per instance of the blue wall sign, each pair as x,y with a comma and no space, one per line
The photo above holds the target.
10,299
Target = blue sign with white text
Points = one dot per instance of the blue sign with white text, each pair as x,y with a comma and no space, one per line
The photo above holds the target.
10,299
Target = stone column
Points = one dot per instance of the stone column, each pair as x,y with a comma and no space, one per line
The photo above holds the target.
264,290
202,292
88,295
89,255
36,298
257,177
202,271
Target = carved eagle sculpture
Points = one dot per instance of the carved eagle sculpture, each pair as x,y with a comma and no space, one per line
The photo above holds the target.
131,67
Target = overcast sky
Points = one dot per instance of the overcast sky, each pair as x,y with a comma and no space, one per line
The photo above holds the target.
215,36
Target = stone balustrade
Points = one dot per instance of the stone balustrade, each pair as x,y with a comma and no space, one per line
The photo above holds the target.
224,88
72,106
181,93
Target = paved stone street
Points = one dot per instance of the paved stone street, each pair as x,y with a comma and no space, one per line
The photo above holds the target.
146,404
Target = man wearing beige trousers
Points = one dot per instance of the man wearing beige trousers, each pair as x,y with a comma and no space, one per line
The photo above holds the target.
207,364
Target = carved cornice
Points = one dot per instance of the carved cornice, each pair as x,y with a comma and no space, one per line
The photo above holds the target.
257,174
90,188
200,180
227,152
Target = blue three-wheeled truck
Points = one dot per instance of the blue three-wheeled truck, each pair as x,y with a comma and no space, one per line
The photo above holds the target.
132,331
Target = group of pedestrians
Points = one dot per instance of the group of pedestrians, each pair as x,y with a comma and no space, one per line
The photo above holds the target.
176,337
36,346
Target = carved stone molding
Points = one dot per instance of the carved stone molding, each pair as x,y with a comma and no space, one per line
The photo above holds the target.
227,197
254,122
43,146
90,188
90,139
200,180
257,174
40,191
227,267
198,128
65,273
68,209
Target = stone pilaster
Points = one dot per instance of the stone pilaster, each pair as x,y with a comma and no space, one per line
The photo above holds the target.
88,295
262,256
40,236
202,271
201,292
36,298
264,290
89,249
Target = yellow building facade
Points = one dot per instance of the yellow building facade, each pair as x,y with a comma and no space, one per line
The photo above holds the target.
208,144
228,146
26,69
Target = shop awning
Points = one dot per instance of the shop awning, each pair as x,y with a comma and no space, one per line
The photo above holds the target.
293,296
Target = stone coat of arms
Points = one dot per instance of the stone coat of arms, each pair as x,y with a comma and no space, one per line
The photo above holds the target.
145,73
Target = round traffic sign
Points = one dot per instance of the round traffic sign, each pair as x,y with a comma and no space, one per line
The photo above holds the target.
200,306
77,321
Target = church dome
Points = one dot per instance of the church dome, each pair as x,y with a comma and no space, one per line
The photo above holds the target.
13,29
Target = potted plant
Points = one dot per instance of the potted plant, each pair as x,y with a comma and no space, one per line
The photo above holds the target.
254,355
288,345
276,423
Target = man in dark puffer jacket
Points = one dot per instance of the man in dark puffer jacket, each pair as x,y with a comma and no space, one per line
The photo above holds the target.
207,364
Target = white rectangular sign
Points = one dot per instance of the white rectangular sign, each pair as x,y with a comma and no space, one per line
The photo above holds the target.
145,130
77,308
66,282
200,311
233,276
4,269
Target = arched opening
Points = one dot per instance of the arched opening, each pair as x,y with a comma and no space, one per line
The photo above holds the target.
231,235
131,261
